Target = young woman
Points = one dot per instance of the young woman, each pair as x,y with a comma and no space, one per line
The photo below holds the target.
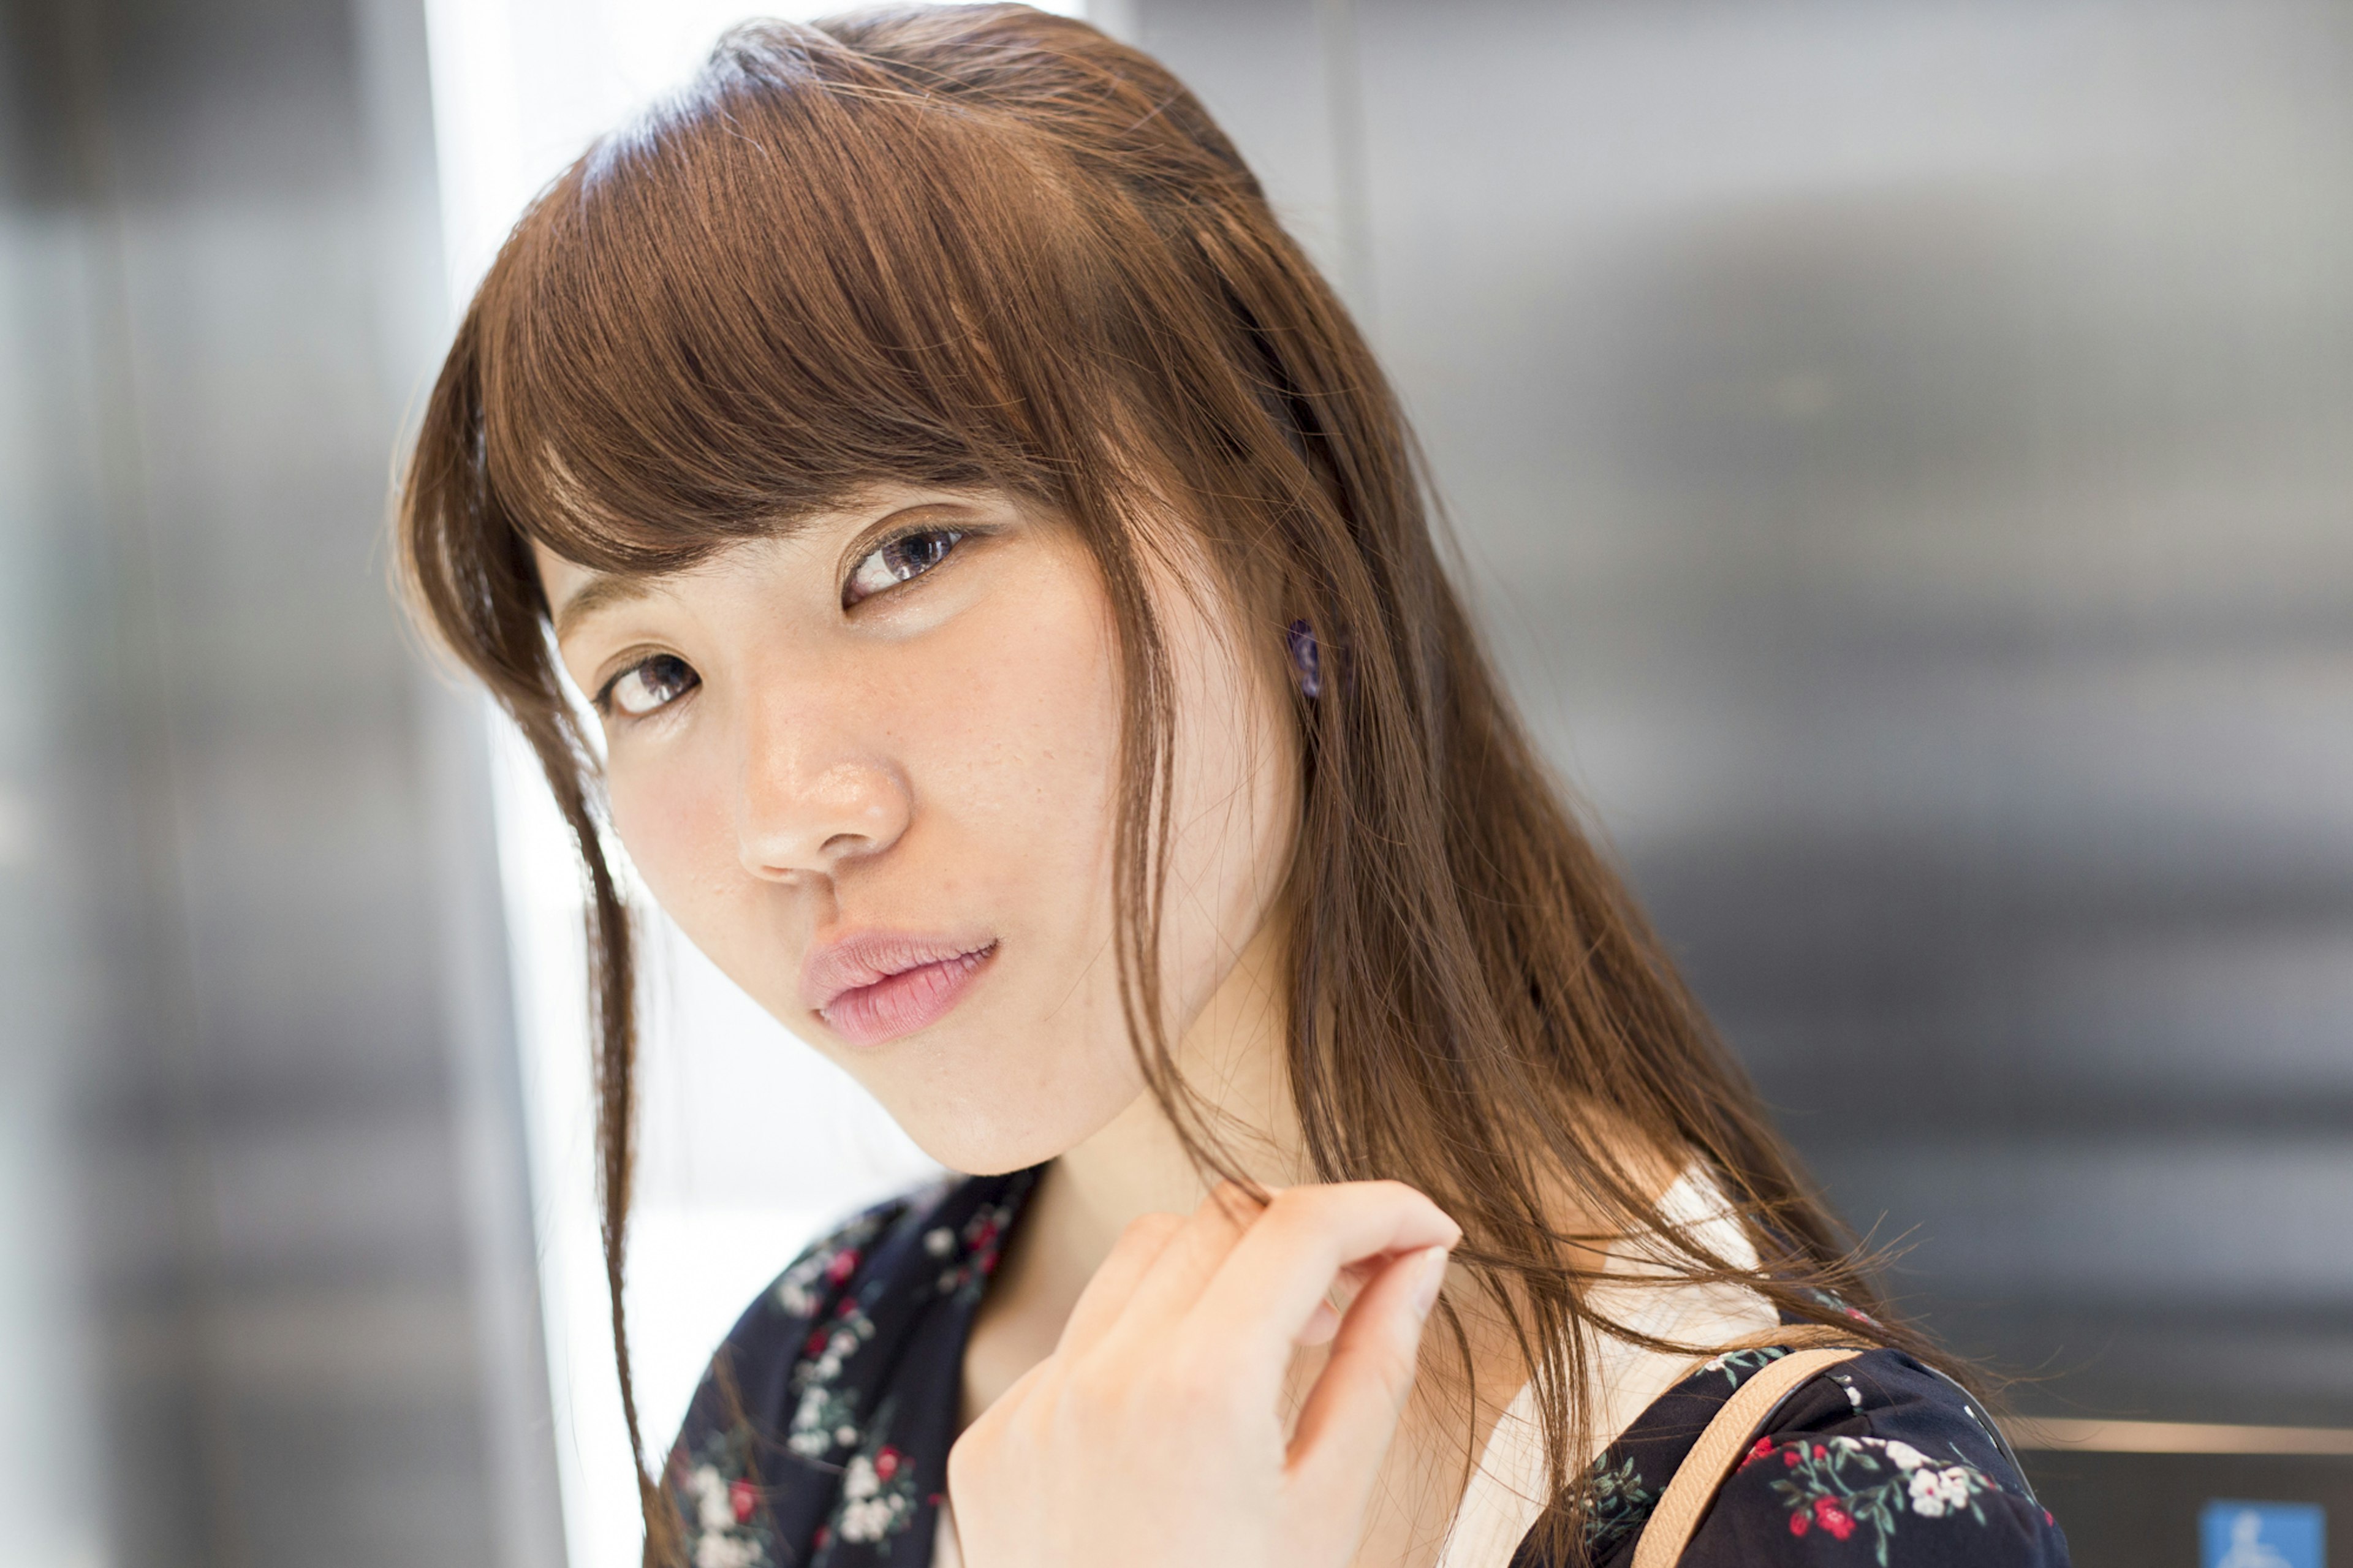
1019,656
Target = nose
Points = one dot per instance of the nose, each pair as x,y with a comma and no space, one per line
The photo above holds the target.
812,798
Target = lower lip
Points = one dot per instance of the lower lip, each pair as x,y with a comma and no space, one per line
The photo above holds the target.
903,1003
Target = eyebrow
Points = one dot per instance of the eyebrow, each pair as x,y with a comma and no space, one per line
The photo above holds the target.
599,592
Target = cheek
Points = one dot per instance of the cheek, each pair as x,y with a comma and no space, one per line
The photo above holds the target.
1236,808
1012,743
674,814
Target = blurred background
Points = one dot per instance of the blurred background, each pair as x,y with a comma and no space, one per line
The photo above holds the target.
1905,448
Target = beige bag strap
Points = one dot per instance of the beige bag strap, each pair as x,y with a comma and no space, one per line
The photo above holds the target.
1727,1438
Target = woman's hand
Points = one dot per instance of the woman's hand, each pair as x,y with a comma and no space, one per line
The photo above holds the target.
1154,1436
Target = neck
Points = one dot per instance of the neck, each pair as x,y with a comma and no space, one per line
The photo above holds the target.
1231,1058
1232,1062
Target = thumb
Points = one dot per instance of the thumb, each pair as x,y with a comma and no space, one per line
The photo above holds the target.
1352,1412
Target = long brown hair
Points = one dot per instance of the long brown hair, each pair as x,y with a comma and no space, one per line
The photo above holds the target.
980,246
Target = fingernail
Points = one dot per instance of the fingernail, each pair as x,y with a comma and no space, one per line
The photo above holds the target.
1433,1275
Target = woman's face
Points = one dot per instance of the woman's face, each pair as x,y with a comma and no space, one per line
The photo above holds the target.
871,767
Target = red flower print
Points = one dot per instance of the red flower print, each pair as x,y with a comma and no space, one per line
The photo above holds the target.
886,1463
1820,1452
1834,1518
1800,1523
843,1265
1764,1447
815,1345
824,1533
741,1497
847,1306
1791,1457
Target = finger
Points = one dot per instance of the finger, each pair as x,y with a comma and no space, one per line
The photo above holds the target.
1268,1286
1108,1293
1352,1412
1324,1322
1173,1283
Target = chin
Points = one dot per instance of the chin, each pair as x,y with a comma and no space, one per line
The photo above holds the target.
980,1151
990,1132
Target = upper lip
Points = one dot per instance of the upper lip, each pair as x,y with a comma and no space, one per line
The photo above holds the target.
862,957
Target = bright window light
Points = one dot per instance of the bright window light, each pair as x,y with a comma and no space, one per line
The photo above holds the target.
749,1141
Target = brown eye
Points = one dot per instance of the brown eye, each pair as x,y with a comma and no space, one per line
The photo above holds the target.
649,684
895,560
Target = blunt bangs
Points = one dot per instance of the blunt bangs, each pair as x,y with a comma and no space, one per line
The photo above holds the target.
884,283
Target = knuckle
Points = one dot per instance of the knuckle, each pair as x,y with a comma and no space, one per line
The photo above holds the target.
1232,1207
1404,1196
1295,1204
1191,1389
1091,1394
1388,1192
1151,1231
1299,1213
969,1458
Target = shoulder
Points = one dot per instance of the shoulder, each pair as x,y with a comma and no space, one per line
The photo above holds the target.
920,1245
797,1382
1884,1456
1879,1460
788,1322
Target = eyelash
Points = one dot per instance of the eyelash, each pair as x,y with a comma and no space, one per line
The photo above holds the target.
950,537
603,700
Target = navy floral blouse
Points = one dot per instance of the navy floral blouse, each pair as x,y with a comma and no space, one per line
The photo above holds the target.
820,1437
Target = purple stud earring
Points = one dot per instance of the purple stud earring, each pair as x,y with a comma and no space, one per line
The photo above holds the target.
1305,660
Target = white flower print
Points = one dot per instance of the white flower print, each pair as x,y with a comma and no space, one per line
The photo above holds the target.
722,1504
800,1290
716,1550
1843,1485
713,1508
822,1422
878,1495
867,1520
1936,1492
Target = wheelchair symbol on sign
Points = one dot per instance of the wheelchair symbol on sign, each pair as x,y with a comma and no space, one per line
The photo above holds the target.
2247,1547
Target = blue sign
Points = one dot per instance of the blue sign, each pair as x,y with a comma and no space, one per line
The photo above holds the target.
2262,1536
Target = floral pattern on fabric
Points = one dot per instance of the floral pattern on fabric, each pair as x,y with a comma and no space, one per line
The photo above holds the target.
1618,1500
726,1526
825,1419
1879,1462
1738,1366
878,1494
969,1255
820,1436
1844,1484
803,1289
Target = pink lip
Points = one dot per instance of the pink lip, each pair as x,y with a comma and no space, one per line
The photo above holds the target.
874,986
